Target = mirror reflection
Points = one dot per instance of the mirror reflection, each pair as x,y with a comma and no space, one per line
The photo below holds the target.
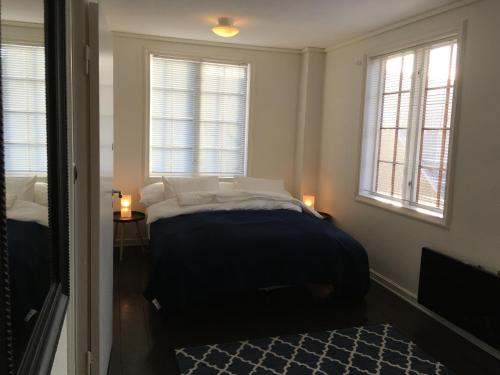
25,150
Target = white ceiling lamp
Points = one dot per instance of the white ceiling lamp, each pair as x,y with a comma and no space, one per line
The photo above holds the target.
225,28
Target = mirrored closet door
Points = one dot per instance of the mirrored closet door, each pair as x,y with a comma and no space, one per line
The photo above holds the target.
35,222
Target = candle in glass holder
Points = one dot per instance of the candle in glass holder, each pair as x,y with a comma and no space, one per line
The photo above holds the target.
308,200
126,206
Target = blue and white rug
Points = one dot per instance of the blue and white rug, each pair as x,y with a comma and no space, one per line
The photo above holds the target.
378,349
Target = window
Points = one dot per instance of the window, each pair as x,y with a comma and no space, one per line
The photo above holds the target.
198,118
408,120
23,94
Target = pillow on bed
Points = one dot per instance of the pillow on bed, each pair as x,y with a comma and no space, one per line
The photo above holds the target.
226,186
22,187
260,184
152,194
9,200
42,193
176,185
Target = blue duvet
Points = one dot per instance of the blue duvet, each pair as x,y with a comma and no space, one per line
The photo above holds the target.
201,255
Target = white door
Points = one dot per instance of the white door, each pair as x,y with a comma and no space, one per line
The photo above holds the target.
101,178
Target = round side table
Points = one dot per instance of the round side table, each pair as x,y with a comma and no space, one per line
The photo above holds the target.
136,217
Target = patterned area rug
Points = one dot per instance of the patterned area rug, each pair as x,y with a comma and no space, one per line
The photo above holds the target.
378,349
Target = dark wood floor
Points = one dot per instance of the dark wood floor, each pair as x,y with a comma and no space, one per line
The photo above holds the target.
144,339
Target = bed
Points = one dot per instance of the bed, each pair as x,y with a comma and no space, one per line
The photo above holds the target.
28,248
29,266
215,243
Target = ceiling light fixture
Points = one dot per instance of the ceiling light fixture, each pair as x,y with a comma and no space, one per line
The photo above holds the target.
225,28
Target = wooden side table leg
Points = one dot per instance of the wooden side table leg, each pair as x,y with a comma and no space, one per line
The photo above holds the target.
140,236
121,240
116,233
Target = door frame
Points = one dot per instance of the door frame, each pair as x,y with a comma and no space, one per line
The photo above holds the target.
101,181
78,316
81,107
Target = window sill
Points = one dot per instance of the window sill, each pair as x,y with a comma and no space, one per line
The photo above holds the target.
413,213
39,175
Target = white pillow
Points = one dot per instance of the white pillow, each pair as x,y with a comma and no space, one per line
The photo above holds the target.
260,184
225,186
176,185
155,193
42,193
10,199
152,194
23,187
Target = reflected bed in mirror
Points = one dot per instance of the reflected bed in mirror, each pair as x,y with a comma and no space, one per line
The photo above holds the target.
25,163
35,287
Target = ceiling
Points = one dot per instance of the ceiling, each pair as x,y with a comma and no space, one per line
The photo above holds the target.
273,23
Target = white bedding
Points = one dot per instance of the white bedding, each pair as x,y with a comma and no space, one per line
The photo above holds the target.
192,202
28,211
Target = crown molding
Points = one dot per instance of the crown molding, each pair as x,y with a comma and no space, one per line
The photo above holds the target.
402,23
313,50
28,25
24,33
167,39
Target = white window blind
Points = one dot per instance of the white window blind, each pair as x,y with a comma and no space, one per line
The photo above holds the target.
198,118
24,109
407,125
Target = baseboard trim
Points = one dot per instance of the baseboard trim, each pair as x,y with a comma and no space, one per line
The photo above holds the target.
393,286
411,298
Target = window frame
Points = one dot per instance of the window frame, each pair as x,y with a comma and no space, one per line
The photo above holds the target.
378,200
148,53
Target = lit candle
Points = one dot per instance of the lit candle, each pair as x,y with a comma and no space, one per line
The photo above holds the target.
126,206
308,200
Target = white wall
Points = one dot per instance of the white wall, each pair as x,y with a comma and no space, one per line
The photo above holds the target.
393,241
273,112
